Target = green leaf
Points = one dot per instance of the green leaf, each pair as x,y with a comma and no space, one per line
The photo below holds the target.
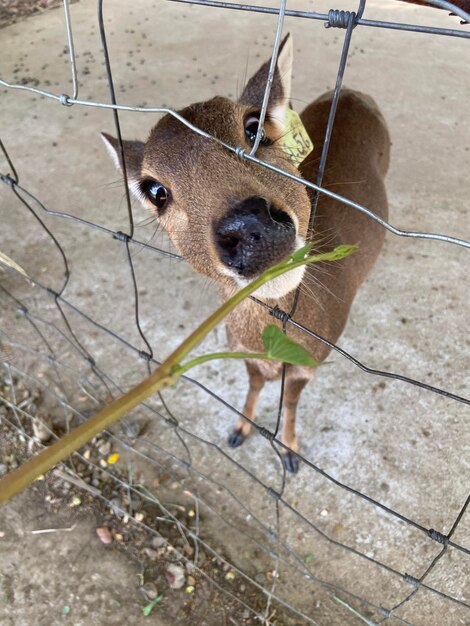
148,608
282,348
301,253
339,252
308,558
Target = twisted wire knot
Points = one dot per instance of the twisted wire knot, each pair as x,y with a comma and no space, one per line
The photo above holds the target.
279,314
146,356
273,493
240,153
411,580
7,179
65,100
170,420
264,432
437,536
120,236
339,19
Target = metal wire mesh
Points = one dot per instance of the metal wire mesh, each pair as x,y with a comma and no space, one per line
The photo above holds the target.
60,326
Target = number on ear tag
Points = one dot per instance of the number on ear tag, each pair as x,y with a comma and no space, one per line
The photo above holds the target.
296,142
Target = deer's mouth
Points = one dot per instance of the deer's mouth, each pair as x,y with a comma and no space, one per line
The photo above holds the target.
253,237
280,286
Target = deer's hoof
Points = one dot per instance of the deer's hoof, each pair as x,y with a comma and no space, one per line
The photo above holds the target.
236,438
291,462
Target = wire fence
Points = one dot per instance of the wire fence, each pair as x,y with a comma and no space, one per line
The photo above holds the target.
271,536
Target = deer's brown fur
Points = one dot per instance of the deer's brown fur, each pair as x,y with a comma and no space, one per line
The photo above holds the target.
209,184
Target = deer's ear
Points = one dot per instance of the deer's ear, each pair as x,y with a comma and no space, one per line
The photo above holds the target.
133,154
281,88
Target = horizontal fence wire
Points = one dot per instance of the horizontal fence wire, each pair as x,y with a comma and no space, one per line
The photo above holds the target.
277,549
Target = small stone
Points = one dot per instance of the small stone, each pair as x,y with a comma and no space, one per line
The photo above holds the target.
230,575
103,463
118,537
149,590
87,454
133,429
175,576
41,431
104,535
3,469
188,550
324,513
116,507
191,580
158,542
105,448
139,516
76,501
151,553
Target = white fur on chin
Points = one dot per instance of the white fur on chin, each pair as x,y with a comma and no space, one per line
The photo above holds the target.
282,285
277,287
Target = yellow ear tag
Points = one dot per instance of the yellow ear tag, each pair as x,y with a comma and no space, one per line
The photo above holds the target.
296,142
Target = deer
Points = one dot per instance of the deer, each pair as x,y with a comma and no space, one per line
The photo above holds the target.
231,218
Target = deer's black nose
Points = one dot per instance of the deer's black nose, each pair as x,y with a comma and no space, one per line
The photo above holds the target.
254,236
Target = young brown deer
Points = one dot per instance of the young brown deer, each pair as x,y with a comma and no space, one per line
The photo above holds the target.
231,219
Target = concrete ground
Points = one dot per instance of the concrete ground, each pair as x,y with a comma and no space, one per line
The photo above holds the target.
398,444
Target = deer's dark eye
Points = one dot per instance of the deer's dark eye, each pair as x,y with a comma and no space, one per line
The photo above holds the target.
158,195
251,128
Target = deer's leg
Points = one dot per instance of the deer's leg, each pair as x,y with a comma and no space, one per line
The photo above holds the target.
293,388
243,427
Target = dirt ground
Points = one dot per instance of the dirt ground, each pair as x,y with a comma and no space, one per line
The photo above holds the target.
13,11
401,446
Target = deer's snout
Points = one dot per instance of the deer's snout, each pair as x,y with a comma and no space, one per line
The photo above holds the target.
254,236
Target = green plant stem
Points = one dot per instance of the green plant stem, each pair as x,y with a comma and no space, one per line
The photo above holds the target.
181,369
165,375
